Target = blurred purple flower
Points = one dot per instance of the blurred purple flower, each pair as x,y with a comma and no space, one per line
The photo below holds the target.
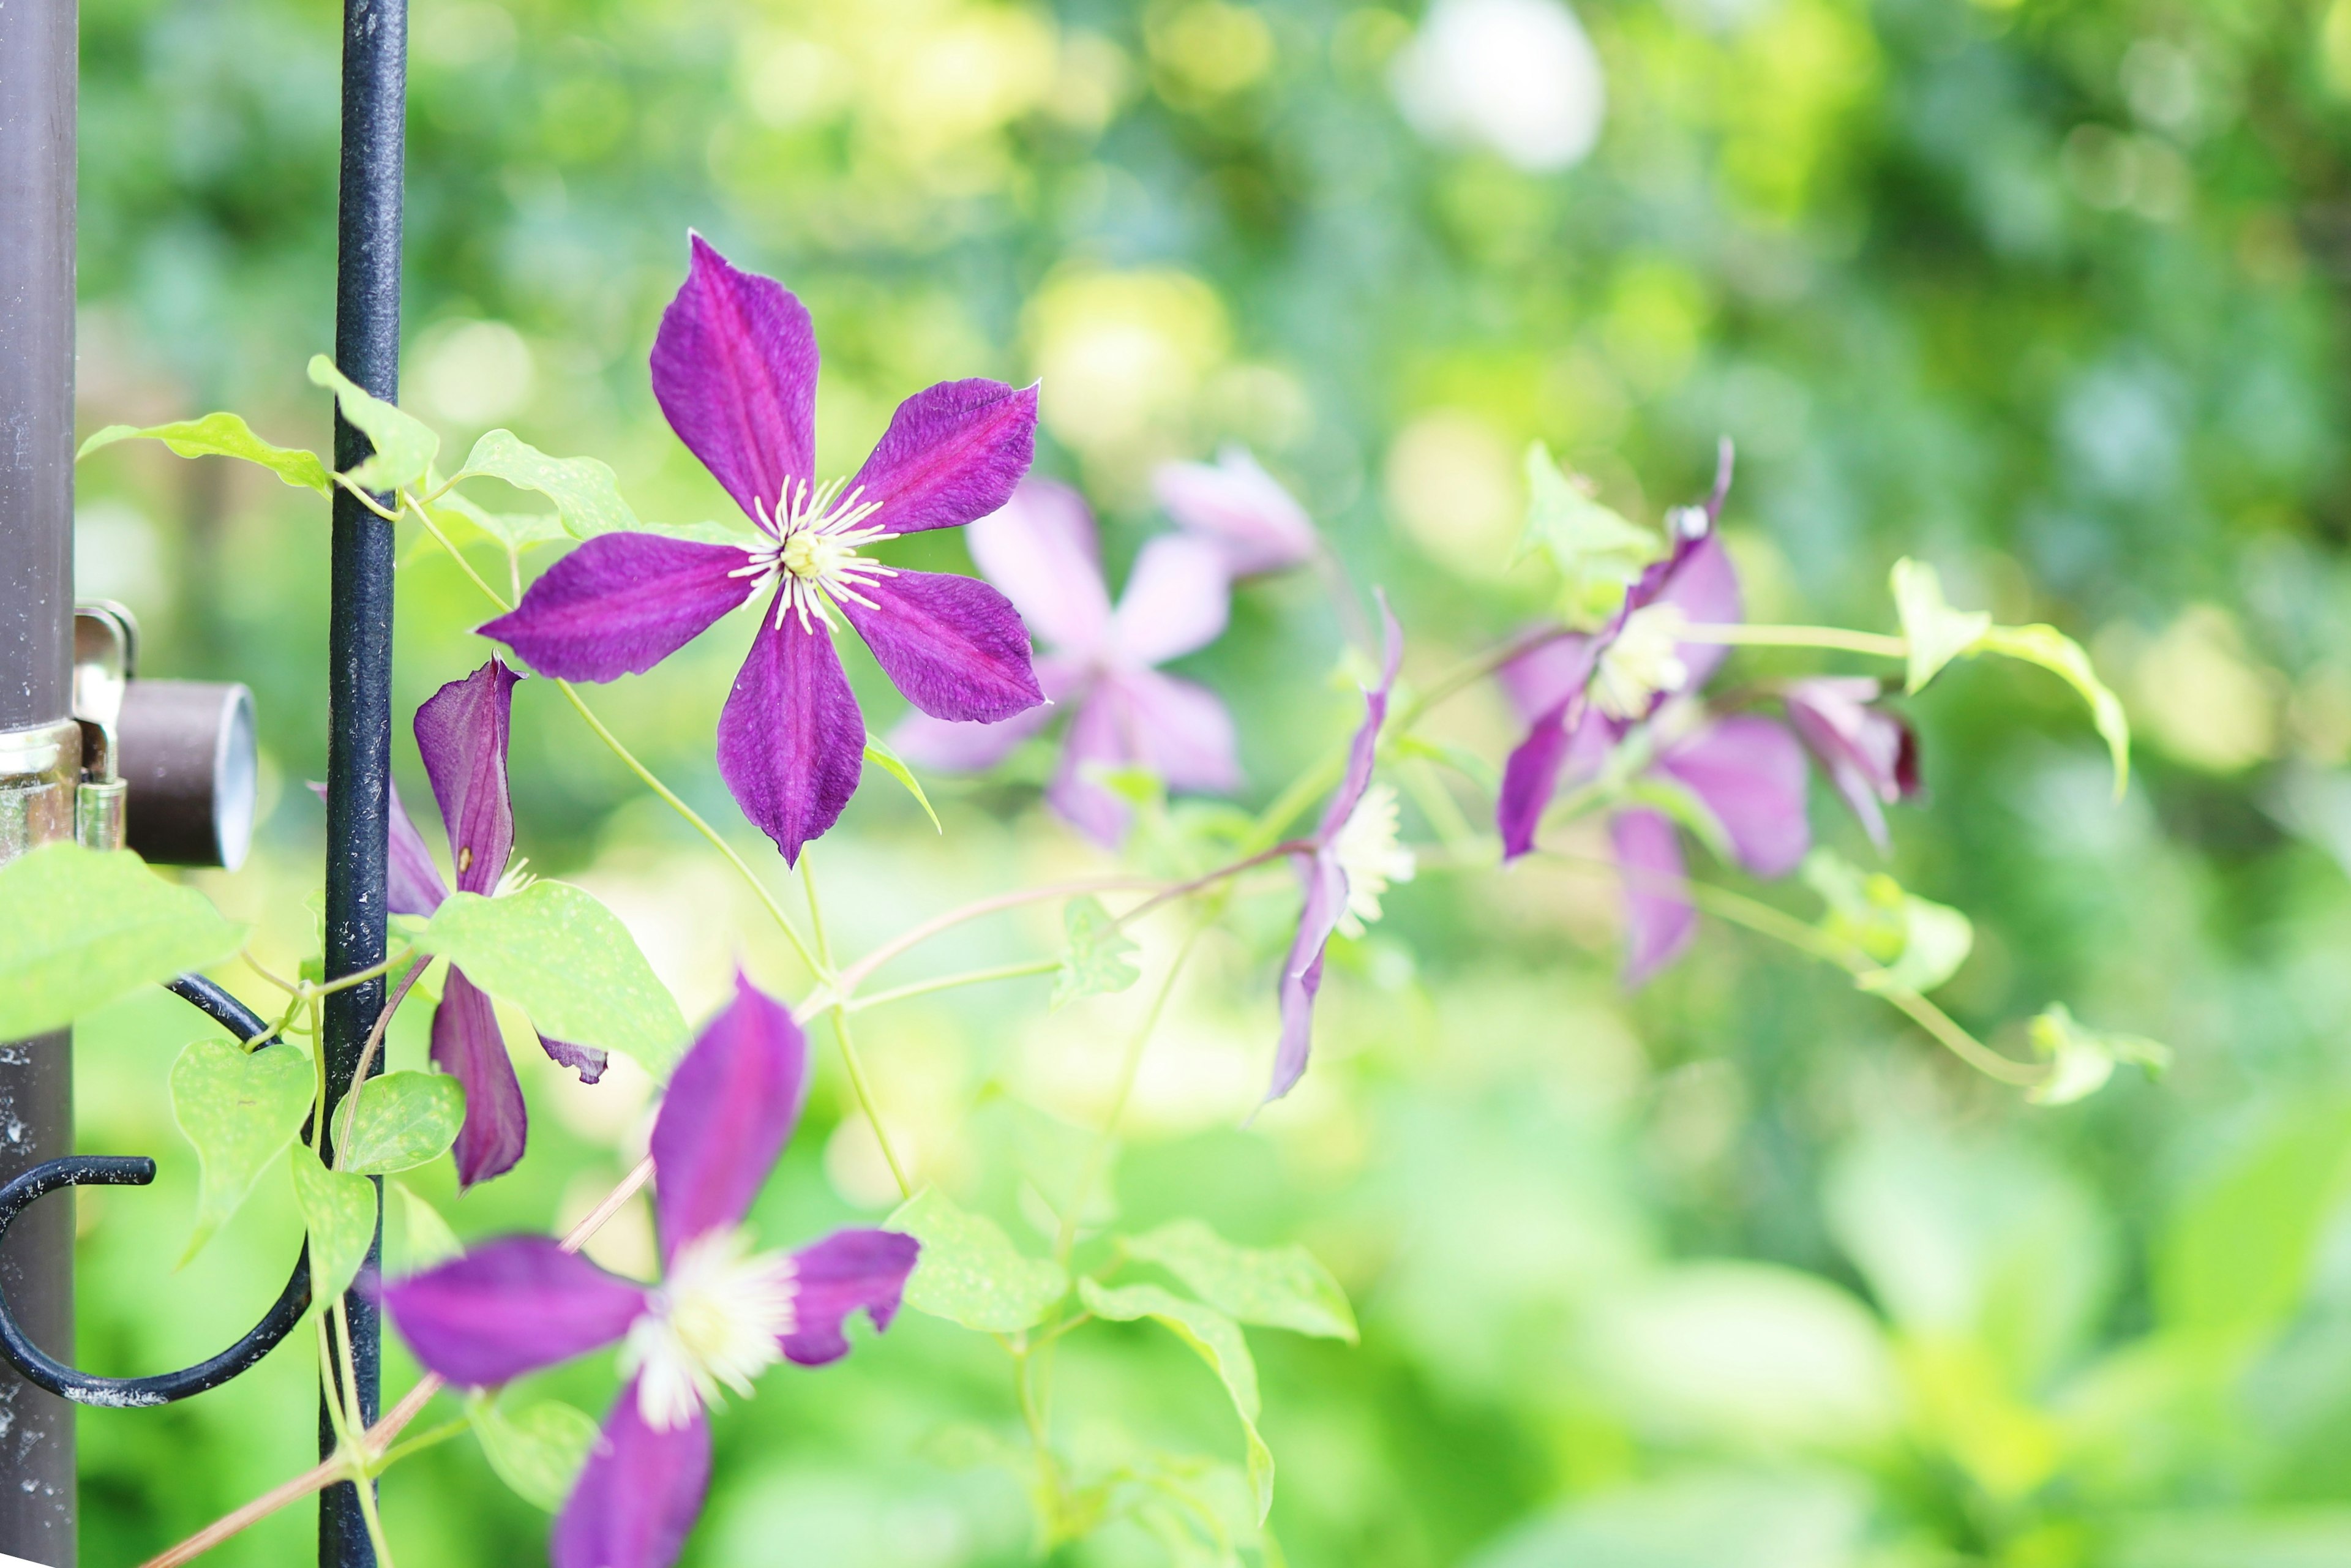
1239,507
1041,549
721,1315
1870,755
735,368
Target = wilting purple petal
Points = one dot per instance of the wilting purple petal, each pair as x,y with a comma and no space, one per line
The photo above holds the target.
1364,749
734,367
1041,549
1749,772
1183,731
461,733
1549,676
466,1045
413,883
835,1277
790,740
1177,601
730,1108
1701,583
510,1307
621,603
1095,741
1302,971
954,645
1552,754
1259,525
584,1060
1658,918
637,1498
953,453
1871,755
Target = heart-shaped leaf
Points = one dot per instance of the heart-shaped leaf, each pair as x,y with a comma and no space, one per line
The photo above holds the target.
969,1272
403,1121
239,1108
582,489
1277,1287
338,1211
405,444
79,927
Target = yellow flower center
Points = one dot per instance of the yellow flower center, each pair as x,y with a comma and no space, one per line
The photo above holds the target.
717,1321
817,536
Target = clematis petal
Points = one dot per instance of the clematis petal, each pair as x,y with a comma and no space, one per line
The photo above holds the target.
585,1060
639,1495
1041,548
953,453
846,1270
1365,746
510,1307
730,1108
1258,525
1871,755
1567,745
1702,584
1177,601
413,883
1748,771
621,603
1659,917
467,1045
790,740
961,746
1183,731
461,733
1302,971
1096,739
734,367
1549,676
954,645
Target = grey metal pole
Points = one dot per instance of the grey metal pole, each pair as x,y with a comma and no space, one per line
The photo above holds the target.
40,748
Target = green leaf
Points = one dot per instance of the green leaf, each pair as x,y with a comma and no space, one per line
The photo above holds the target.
538,1450
1095,960
1936,632
1276,1286
1937,939
2052,649
1919,942
582,489
878,752
426,1240
79,927
514,532
222,436
404,1120
1218,1341
969,1272
404,445
561,956
2082,1059
339,1211
239,1108
2236,1261
1598,552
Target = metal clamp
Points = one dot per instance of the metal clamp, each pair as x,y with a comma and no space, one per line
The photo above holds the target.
168,768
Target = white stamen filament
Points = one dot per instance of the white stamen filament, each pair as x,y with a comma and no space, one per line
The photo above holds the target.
717,1322
1645,659
515,878
1366,849
818,539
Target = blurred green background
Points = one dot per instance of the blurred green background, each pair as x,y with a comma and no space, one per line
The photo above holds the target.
1739,1272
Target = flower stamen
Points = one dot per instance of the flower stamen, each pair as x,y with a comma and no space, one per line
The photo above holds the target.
718,1320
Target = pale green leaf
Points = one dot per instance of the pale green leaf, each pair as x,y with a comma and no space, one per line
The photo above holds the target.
1936,632
339,1211
2082,1060
878,752
582,489
239,1108
1095,960
1598,552
1917,942
2237,1259
1276,1286
2054,651
969,1272
514,532
222,436
1937,939
538,1450
564,958
404,445
80,927
403,1121
1218,1340
425,1239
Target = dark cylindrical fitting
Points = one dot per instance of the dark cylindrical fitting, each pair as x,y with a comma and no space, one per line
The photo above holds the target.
187,752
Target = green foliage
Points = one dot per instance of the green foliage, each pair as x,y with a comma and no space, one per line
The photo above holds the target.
1094,962
1272,1287
2052,649
1598,554
424,1238
878,752
239,1108
1920,943
1218,1340
79,927
970,1273
1936,632
582,489
2083,1059
404,1120
222,436
404,445
339,1211
538,1450
2236,1259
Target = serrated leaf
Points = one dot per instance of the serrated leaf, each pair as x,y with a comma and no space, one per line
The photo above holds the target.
1275,1287
222,436
2082,1060
878,752
426,1238
1218,1342
1094,962
239,1110
339,1212
538,1450
405,444
80,927
2054,651
969,1272
1598,553
1936,632
404,1120
565,960
583,489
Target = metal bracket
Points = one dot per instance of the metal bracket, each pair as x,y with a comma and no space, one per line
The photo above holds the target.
106,655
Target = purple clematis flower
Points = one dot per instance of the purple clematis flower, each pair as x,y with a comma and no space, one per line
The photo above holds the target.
1870,755
1243,509
735,368
1346,866
1041,549
461,732
721,1315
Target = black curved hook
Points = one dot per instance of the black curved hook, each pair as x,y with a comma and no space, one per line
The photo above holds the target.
45,1371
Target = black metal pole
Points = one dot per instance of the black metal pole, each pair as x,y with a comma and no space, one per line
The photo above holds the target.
40,752
359,745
